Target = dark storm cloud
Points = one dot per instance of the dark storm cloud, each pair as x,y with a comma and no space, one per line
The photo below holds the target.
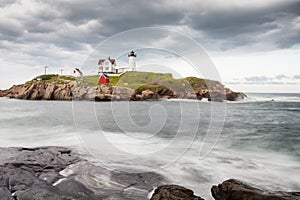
234,27
244,26
116,16
4,3
73,25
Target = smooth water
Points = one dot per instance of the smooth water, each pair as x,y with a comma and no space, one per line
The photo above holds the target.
259,140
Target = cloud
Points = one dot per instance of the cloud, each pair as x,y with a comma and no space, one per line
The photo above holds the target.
296,77
281,76
258,78
279,79
4,3
38,32
226,26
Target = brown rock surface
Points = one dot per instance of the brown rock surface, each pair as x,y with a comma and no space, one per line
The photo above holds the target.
73,90
236,190
173,192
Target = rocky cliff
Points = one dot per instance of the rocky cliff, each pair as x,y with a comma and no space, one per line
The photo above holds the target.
74,90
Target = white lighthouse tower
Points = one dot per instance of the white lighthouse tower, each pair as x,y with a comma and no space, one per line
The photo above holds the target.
132,63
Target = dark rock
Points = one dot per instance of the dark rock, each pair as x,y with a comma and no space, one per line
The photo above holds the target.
30,173
34,174
144,180
5,194
75,189
235,96
236,190
41,192
173,192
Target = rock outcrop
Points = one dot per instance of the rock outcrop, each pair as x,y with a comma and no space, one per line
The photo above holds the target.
236,190
57,173
173,192
38,173
29,173
72,90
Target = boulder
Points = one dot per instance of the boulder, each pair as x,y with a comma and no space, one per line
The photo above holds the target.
5,194
105,89
57,173
63,92
148,94
39,91
29,174
173,192
122,93
191,95
235,96
49,92
233,189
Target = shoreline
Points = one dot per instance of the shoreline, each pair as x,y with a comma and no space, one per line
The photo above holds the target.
71,90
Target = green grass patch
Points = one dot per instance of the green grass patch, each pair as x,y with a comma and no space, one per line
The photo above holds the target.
93,80
151,80
47,77
51,78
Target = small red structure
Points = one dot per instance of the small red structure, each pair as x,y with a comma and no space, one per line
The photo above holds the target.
103,79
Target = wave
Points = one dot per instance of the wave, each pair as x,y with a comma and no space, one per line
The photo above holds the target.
270,98
251,98
188,100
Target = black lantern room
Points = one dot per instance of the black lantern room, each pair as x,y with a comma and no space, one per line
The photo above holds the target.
132,54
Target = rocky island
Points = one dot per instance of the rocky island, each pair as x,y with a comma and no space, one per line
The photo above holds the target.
134,86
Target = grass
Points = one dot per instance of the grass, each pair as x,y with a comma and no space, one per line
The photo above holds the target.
139,80
51,78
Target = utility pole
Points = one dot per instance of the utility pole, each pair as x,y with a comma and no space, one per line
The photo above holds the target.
46,69
61,71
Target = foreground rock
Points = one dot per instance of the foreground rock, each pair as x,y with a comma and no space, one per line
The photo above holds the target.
30,174
56,173
173,192
37,173
236,190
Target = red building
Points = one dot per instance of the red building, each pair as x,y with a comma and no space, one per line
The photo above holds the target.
103,79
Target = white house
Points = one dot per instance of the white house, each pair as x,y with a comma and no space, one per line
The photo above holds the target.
107,65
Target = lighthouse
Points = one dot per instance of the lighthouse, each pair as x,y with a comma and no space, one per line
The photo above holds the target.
132,64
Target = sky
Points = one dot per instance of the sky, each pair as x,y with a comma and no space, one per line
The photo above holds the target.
254,45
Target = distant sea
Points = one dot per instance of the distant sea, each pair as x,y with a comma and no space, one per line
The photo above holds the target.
259,142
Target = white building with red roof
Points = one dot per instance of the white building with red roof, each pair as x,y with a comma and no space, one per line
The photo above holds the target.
107,65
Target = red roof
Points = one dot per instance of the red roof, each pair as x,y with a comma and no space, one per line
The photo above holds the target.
110,59
104,79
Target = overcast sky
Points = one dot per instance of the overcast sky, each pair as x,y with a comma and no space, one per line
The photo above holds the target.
255,45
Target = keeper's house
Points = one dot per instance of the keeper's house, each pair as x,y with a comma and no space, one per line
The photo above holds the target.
107,65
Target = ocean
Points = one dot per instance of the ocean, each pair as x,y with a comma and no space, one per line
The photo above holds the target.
192,143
